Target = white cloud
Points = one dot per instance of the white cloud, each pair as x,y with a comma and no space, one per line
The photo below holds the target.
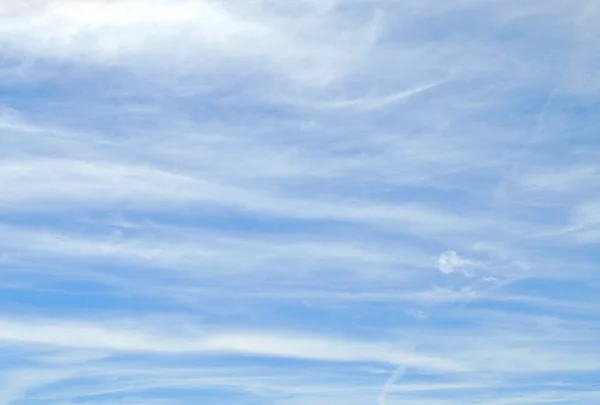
59,184
450,262
306,42
190,339
298,164
488,348
17,384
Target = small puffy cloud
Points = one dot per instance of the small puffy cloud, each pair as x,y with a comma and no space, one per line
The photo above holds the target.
450,262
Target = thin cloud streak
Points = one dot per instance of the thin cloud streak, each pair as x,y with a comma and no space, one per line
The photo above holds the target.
99,337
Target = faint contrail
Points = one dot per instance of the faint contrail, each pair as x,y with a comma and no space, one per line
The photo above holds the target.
392,379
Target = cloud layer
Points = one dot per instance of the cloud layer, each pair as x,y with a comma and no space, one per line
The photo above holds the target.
299,202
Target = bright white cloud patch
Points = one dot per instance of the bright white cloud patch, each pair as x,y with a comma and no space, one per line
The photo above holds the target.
232,201
302,40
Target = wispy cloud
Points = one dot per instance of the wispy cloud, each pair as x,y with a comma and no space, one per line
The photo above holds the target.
238,202
190,35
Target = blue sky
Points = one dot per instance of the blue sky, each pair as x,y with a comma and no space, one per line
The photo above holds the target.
299,202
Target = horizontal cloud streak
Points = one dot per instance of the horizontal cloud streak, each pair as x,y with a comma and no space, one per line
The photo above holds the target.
90,336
